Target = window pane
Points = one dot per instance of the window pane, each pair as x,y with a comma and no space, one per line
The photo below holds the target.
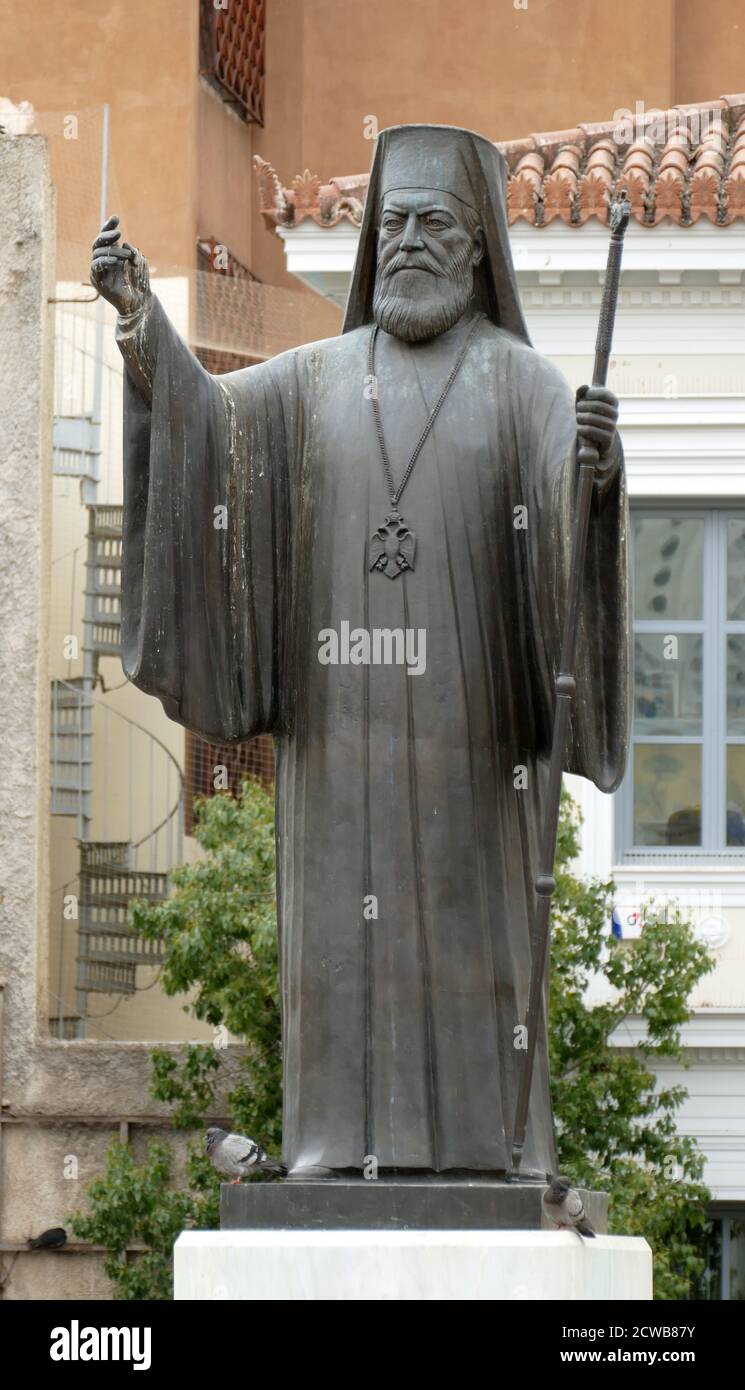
736,685
736,569
736,794
737,1260
667,794
668,554
667,683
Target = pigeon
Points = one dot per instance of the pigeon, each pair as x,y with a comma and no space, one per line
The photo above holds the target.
564,1206
237,1156
53,1239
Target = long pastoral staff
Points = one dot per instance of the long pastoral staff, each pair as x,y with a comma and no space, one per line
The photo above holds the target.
565,685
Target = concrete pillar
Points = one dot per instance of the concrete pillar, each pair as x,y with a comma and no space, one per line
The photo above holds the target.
61,1103
26,352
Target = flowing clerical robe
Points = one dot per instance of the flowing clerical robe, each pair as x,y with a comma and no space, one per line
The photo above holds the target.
409,805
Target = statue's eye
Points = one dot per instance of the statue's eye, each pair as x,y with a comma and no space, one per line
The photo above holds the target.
436,223
392,224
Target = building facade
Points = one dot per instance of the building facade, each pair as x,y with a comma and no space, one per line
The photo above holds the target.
157,113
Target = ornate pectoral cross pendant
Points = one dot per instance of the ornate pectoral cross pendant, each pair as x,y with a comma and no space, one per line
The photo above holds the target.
392,546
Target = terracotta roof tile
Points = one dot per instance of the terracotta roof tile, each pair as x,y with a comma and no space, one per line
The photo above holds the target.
560,184
734,184
686,164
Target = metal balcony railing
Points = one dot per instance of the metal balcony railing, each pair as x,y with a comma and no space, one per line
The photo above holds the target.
232,42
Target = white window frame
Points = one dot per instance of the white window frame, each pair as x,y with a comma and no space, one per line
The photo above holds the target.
715,629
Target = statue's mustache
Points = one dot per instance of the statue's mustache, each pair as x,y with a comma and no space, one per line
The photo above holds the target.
404,261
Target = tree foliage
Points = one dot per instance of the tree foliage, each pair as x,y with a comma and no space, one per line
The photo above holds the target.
133,1205
616,1130
615,1126
219,937
218,931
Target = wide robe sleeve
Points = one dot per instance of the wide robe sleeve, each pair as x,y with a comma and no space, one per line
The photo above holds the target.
598,745
205,566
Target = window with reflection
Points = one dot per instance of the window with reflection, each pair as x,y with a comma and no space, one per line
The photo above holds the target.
685,789
722,1244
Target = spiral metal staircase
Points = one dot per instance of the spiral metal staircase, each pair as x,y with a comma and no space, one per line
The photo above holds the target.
111,871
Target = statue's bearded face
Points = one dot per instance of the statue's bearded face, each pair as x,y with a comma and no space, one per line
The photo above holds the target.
429,245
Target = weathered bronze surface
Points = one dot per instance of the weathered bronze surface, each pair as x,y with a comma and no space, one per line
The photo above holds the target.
410,794
413,1204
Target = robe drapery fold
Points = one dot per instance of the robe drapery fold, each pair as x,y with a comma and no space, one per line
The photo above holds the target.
409,806
205,553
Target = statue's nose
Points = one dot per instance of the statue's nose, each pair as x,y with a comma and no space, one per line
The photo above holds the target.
412,237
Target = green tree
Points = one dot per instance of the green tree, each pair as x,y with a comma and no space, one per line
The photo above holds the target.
615,1130
133,1205
219,935
218,931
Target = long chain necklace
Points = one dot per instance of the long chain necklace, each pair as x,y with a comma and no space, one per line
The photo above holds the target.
393,545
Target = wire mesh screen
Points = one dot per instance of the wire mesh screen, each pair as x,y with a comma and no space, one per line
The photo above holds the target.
218,270
213,767
218,361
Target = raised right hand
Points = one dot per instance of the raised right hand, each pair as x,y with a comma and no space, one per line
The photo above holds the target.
119,273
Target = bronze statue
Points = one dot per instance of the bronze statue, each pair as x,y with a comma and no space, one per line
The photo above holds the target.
404,490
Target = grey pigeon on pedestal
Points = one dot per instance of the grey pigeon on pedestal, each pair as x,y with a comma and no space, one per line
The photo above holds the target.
563,1205
237,1157
53,1239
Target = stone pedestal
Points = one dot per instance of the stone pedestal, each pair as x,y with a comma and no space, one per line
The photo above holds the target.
410,1265
454,1204
460,1239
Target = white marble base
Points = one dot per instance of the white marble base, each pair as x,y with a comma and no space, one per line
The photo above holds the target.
418,1265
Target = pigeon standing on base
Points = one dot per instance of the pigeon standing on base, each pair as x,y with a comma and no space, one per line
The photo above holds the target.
564,1206
237,1157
